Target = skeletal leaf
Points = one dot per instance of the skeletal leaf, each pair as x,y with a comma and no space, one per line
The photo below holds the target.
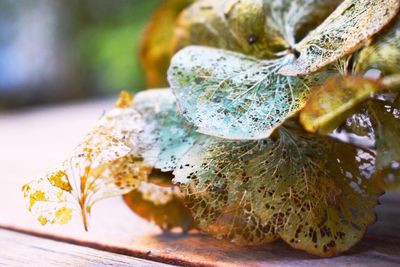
335,101
258,28
348,28
383,53
385,118
166,134
155,50
230,95
210,176
337,196
314,192
160,205
101,166
50,200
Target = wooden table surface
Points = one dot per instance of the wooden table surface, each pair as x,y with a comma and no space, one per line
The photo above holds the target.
34,141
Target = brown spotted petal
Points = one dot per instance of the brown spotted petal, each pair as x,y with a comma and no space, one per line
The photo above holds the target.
211,175
313,192
349,27
328,199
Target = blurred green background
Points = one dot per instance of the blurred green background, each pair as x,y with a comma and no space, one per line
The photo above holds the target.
59,50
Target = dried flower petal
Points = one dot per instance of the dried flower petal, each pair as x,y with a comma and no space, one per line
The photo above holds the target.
160,205
333,102
166,134
316,193
385,117
208,22
50,202
155,46
360,124
100,166
293,19
383,53
349,27
258,28
230,95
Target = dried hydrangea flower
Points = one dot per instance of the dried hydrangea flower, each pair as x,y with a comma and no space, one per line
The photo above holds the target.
234,96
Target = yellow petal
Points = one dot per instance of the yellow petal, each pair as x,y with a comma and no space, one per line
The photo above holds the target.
333,102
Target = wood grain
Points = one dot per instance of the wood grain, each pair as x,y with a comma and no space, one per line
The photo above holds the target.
24,250
34,141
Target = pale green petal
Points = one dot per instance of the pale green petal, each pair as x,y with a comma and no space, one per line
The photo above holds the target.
166,135
233,96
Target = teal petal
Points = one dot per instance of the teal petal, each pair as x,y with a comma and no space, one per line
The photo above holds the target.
166,135
233,96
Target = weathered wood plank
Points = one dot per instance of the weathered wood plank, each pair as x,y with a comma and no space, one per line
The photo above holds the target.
32,142
23,250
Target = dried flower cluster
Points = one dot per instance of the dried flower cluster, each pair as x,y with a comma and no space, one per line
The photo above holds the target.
245,144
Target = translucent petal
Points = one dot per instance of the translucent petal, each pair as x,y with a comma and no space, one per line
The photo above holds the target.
233,96
160,205
332,103
166,134
383,53
314,192
349,27
101,166
211,176
50,202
